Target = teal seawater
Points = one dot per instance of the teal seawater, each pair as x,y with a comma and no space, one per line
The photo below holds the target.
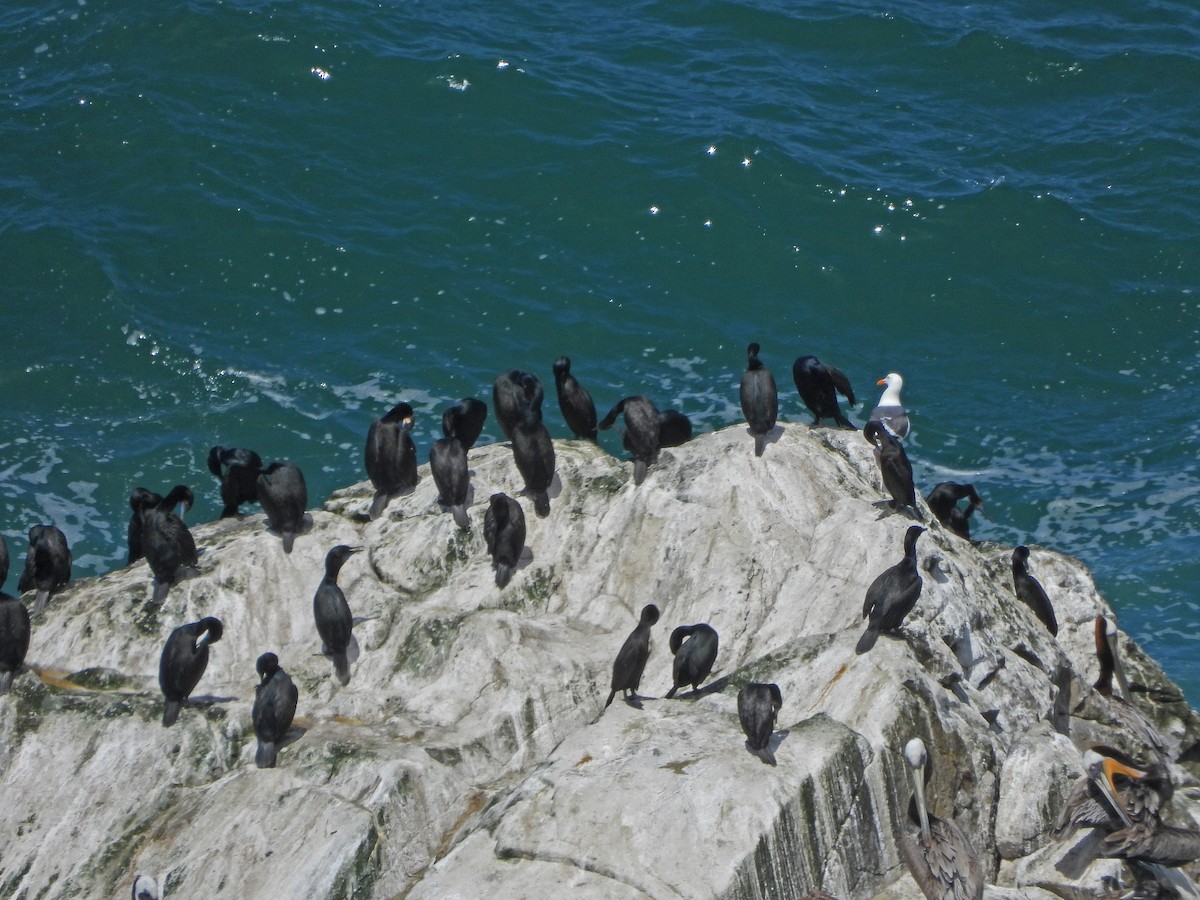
260,224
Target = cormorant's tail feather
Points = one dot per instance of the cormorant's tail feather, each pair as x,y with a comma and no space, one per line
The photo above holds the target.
639,471
760,444
867,641
265,755
611,694
171,712
671,692
541,504
843,422
6,680
341,665
161,588
504,574
40,601
378,503
460,517
289,538
766,755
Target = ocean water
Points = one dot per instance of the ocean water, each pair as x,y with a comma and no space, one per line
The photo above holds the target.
260,224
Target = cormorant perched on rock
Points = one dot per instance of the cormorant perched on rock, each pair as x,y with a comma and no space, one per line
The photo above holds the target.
674,428
464,420
275,699
390,457
448,464
695,650
890,412
183,661
1029,590
47,564
504,531
818,386
943,502
145,888
760,399
533,452
166,540
332,612
575,403
758,706
892,594
940,857
237,469
641,437
14,638
631,660
141,501
515,395
895,468
284,498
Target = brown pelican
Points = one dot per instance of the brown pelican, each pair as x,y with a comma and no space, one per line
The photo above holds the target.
1089,806
1122,707
941,859
1142,836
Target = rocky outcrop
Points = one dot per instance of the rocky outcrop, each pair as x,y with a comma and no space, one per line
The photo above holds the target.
470,754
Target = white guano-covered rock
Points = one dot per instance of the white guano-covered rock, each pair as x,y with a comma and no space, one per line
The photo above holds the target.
471,755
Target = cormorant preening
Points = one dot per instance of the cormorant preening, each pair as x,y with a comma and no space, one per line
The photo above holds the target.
894,467
448,464
332,612
575,403
674,428
47,564
183,661
504,531
943,502
940,857
533,452
515,395
390,457
1029,590
237,469
892,594
141,500
166,540
14,638
758,706
890,412
284,497
695,649
818,386
631,660
275,699
464,420
760,399
641,436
